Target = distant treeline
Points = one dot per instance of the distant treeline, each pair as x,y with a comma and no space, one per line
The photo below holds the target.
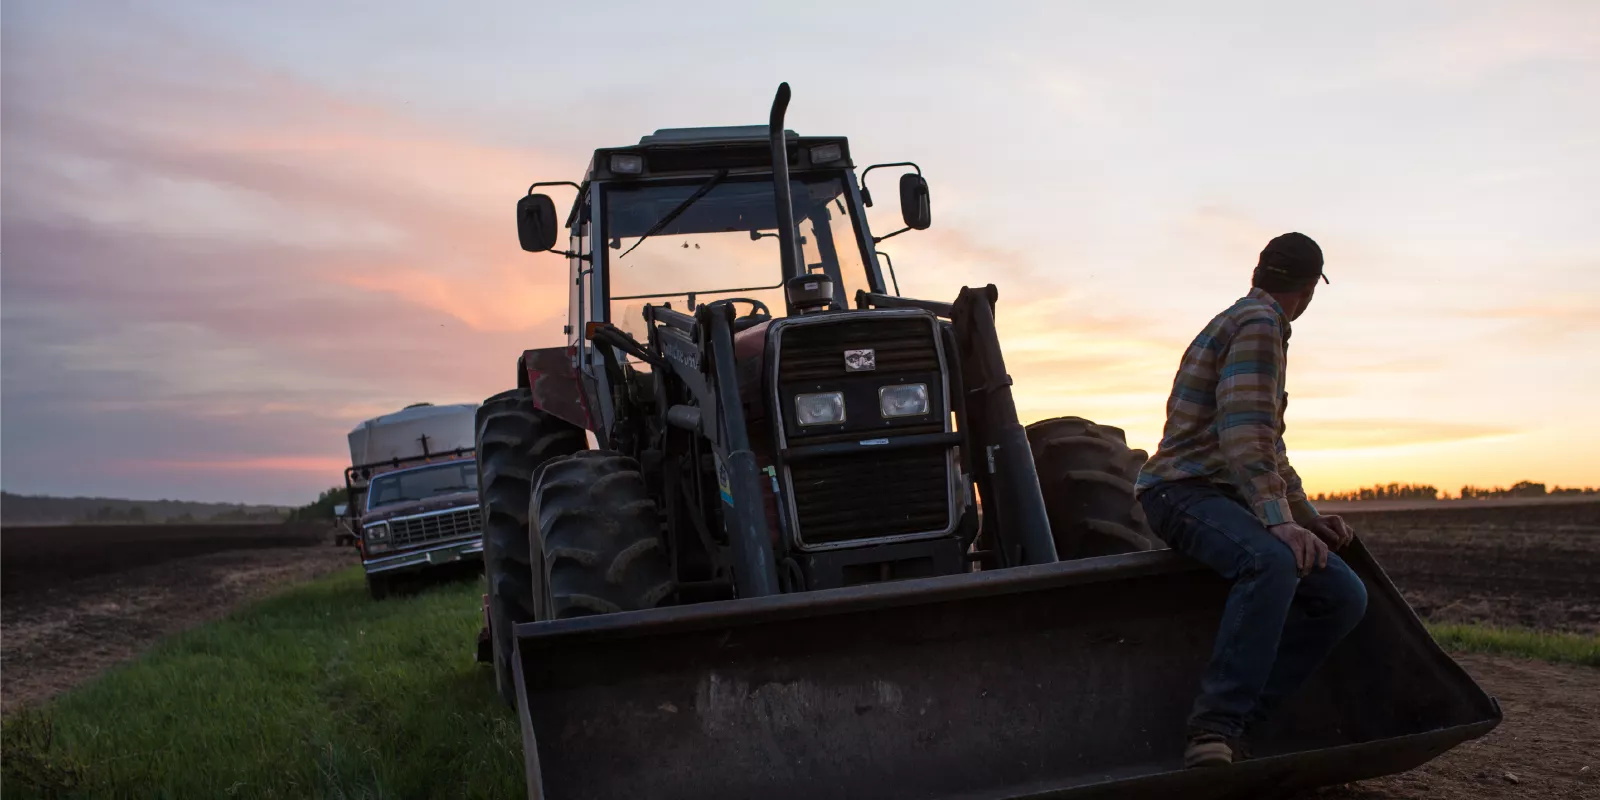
1521,489
1413,491
19,509
1393,491
321,508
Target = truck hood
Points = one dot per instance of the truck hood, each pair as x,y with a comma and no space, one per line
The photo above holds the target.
439,503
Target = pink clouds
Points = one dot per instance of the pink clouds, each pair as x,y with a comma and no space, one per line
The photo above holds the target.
191,238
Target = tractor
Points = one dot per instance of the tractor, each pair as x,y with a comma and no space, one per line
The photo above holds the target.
764,527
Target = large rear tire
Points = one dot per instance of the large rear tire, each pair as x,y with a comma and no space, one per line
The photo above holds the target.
599,533
1087,472
513,440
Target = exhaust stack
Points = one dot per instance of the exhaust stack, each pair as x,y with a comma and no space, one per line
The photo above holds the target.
780,185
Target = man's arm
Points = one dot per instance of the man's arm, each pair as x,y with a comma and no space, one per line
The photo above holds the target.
1247,416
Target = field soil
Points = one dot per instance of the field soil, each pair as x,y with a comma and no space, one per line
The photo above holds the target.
1530,565
79,599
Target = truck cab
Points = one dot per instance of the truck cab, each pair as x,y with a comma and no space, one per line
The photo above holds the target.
413,492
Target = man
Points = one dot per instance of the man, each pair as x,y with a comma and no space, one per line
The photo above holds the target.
1220,490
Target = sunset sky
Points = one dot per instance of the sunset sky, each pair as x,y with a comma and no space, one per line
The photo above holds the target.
233,231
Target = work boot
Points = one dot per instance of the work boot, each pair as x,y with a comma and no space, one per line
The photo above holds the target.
1210,749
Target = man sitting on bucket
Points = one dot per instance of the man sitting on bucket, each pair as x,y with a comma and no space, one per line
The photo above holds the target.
1220,490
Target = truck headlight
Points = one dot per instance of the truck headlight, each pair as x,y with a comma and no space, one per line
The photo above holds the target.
376,534
819,408
905,400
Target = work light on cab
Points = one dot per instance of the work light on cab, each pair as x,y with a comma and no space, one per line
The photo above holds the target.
627,164
827,153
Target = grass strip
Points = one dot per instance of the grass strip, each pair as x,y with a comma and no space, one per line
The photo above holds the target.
1565,648
315,693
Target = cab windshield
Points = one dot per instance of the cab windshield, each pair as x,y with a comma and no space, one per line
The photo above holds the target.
421,483
724,244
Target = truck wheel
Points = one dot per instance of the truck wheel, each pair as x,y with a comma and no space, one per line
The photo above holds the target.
1087,473
513,440
377,586
600,536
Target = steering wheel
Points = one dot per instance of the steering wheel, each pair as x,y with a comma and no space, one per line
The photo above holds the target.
759,313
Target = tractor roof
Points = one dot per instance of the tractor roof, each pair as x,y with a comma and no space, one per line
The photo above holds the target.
741,149
710,135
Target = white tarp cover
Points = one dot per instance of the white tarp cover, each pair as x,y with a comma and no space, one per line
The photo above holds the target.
399,435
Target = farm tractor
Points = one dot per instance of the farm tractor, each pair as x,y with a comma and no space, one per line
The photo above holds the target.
763,527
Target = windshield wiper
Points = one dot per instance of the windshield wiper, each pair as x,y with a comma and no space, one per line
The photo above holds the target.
683,206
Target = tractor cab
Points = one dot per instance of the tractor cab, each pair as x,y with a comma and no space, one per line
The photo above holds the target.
689,216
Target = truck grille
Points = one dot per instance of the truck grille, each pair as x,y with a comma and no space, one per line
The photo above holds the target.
434,527
895,492
816,352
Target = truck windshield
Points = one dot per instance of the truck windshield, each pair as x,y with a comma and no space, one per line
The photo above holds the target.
421,483
724,244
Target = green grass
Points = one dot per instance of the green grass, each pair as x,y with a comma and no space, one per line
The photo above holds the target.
316,693
1569,648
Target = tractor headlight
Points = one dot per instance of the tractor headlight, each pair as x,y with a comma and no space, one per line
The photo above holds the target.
376,535
905,400
819,408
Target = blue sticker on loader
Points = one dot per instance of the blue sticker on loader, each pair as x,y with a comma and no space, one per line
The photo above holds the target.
722,482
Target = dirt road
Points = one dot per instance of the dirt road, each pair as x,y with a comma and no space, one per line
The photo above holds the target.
67,618
1548,746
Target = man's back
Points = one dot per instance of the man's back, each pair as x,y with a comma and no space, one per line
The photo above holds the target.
1225,413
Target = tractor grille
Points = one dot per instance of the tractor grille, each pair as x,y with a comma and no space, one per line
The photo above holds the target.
816,352
434,527
896,492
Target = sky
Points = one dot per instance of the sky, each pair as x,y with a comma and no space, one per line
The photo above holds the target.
230,232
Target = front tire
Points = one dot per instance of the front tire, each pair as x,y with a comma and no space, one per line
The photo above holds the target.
600,535
513,440
1087,472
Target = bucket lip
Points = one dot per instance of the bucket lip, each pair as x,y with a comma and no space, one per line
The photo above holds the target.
1287,771
867,597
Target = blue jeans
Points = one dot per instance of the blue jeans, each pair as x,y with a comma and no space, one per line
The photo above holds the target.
1277,627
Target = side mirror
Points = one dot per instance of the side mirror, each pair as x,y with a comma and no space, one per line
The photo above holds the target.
536,223
914,206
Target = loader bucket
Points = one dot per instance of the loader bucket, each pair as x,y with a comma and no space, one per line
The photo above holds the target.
1065,680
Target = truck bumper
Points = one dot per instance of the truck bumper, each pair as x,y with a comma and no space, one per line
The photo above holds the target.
449,552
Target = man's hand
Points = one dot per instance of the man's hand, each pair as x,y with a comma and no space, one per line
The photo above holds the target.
1309,551
1332,529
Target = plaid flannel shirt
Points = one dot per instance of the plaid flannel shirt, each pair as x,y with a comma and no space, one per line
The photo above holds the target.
1225,415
